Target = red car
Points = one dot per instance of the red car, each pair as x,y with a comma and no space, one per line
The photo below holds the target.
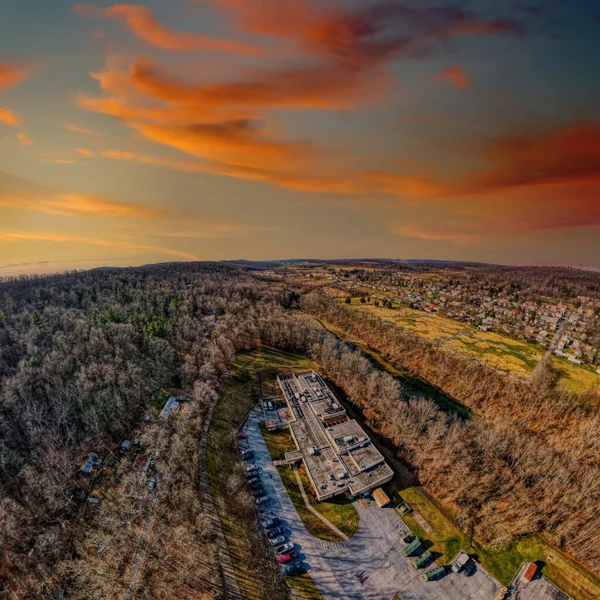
286,558
241,436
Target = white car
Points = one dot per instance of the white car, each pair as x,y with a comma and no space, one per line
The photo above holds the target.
284,548
261,500
251,467
278,540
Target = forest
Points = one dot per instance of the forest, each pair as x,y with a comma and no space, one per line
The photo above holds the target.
80,356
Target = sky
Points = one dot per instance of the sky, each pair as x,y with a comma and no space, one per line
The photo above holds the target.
263,129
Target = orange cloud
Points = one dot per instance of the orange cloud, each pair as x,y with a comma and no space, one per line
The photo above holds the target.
81,130
74,205
11,75
24,139
341,57
10,118
84,152
436,234
140,21
61,238
566,156
456,77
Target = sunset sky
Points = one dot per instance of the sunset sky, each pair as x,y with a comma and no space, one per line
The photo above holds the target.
257,129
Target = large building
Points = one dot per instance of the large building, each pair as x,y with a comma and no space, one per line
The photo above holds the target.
338,454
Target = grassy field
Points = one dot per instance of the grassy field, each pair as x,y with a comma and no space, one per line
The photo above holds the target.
499,351
430,326
575,378
239,393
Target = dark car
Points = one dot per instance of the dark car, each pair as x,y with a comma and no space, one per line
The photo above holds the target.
470,568
293,568
258,492
286,558
275,532
407,539
256,485
247,454
254,480
271,523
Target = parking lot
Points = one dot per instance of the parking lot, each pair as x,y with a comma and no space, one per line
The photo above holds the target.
369,565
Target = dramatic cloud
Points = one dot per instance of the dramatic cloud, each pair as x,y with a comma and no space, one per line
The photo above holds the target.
566,156
456,77
340,62
140,21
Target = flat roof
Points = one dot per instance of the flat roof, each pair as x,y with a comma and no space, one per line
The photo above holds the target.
334,462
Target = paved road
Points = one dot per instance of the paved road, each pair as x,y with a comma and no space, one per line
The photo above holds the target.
369,565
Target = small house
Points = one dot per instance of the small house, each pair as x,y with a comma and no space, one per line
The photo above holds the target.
172,406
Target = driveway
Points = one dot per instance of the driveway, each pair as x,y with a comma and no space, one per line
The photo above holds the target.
369,565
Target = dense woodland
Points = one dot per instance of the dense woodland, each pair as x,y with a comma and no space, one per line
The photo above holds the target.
81,353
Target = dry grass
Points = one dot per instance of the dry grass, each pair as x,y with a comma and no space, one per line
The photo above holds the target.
575,378
430,326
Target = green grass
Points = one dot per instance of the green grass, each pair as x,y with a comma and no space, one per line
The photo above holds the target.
305,585
278,442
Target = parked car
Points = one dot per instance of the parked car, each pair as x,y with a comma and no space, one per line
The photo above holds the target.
285,558
470,568
252,467
278,540
241,436
262,500
151,484
271,523
284,548
256,485
254,480
293,568
251,474
258,492
275,532
247,454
